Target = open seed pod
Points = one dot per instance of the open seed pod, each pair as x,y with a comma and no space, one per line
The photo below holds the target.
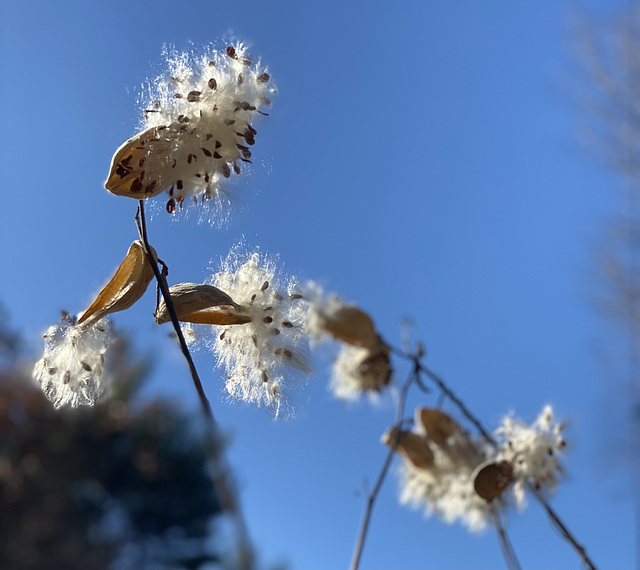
437,425
492,479
201,304
351,325
126,175
410,445
127,285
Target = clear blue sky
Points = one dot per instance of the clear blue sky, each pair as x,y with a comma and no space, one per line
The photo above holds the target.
420,159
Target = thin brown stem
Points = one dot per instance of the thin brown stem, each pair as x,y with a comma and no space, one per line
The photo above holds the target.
164,289
564,531
220,472
505,544
364,527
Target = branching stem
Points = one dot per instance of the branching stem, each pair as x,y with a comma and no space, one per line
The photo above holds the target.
164,289
553,516
220,473
383,472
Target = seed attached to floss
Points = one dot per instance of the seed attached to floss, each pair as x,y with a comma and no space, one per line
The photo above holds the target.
178,122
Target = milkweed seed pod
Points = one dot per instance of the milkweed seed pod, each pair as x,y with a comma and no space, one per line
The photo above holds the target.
197,130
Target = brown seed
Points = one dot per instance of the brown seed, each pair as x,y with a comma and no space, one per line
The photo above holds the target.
67,377
151,187
86,366
246,61
179,184
171,206
265,378
206,151
216,154
263,78
287,324
240,78
295,296
177,96
226,171
191,157
229,122
268,320
265,286
136,185
231,52
193,96
275,332
52,370
212,83
224,332
493,479
121,171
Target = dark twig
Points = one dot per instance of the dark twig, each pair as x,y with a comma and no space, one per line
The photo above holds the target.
218,469
505,544
385,468
164,288
564,531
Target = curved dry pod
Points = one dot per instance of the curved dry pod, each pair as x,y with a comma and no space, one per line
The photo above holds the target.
201,304
127,285
127,172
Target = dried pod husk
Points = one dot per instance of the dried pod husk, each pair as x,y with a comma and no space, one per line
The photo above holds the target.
376,369
351,325
127,285
410,445
126,175
438,425
201,304
492,479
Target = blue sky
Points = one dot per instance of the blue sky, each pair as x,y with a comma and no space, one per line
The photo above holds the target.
422,160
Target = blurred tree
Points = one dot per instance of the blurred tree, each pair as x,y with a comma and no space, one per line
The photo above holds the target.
610,53
115,486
